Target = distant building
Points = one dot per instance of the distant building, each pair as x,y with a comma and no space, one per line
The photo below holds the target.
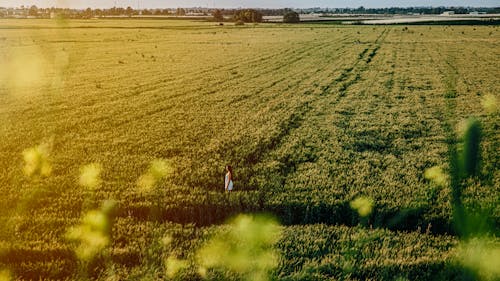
53,15
195,14
16,13
448,13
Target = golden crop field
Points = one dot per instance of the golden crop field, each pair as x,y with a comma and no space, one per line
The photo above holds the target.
313,117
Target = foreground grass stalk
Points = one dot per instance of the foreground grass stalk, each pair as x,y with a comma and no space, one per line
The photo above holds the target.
464,164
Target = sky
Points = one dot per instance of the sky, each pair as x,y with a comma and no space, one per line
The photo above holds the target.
81,4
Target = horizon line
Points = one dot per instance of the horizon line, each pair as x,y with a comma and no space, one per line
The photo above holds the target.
232,8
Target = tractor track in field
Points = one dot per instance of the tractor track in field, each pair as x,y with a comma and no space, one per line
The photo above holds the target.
159,101
202,91
449,79
162,83
335,89
300,111
192,77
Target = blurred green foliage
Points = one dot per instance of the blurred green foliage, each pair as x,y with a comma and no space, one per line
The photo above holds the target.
247,248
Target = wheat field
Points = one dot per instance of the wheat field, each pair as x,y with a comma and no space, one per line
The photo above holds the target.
147,113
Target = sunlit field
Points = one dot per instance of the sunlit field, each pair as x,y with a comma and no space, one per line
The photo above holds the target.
115,135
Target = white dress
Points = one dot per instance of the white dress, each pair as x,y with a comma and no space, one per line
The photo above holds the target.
230,185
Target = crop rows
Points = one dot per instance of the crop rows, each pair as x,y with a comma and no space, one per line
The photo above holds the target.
310,116
318,250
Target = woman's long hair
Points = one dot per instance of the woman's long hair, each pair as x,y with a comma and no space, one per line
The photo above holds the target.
230,169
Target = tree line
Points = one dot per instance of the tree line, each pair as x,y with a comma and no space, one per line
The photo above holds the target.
413,10
244,15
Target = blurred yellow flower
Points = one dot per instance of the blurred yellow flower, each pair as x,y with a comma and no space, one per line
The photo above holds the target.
158,169
490,103
5,275
90,176
173,266
36,161
167,240
436,175
146,182
247,248
91,235
91,241
97,220
362,204
202,271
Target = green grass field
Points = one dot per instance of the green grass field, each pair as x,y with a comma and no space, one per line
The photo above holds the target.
311,117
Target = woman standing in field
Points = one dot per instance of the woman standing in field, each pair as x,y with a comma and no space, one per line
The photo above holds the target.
228,182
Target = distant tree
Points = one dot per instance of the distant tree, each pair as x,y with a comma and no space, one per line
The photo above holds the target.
248,15
218,15
256,16
120,11
88,13
180,12
291,17
98,12
33,11
129,11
